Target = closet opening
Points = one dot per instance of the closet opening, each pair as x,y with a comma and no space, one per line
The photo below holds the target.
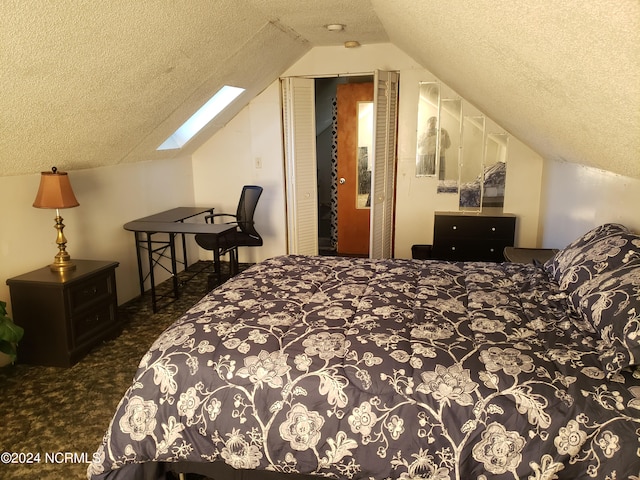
344,136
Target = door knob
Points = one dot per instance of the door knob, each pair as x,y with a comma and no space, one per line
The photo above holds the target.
342,180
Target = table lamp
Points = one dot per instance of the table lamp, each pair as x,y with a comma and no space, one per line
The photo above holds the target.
55,192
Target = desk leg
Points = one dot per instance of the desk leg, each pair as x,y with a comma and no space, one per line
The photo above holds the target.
139,258
184,251
174,267
233,260
216,263
152,279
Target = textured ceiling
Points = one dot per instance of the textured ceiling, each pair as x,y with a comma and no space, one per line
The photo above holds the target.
562,76
86,83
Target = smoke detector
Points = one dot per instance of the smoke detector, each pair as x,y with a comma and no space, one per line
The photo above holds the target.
335,27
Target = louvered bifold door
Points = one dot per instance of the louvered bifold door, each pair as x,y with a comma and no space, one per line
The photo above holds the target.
384,160
298,96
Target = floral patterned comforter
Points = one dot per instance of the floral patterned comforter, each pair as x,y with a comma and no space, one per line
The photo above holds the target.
380,369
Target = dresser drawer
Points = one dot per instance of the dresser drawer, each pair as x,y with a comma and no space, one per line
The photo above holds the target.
96,289
97,319
473,227
471,252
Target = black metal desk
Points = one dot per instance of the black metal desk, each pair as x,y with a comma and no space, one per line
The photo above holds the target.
170,222
528,255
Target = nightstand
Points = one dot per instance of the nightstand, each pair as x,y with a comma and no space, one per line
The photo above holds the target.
528,255
64,314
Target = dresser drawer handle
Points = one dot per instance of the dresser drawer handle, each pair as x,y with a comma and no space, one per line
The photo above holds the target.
454,227
453,248
493,229
90,292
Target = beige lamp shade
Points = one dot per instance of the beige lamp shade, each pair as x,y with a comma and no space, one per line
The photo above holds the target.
55,191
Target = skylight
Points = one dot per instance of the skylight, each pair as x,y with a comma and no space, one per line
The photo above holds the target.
202,117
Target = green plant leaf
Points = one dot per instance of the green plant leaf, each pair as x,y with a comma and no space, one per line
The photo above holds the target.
8,349
9,331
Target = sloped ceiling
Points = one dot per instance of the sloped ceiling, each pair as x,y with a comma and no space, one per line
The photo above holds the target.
562,76
86,83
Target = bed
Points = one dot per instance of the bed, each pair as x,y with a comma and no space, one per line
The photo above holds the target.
492,188
397,369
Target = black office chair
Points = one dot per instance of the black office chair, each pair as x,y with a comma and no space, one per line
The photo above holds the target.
245,234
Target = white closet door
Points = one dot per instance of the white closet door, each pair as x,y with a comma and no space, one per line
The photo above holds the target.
298,96
384,153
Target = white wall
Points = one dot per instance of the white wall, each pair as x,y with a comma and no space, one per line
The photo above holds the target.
578,198
523,193
109,197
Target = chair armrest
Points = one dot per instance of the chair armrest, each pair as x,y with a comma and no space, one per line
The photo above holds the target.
211,218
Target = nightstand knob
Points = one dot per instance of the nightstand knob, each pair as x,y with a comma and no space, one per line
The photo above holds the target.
493,229
90,291
454,227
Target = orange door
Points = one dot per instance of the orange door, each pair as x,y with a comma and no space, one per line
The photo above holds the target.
353,205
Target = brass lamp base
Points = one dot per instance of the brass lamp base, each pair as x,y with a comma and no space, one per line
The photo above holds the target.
62,266
62,261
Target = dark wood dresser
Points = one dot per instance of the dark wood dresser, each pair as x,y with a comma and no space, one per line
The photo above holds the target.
64,314
463,236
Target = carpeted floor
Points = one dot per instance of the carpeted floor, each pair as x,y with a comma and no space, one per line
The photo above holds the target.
56,417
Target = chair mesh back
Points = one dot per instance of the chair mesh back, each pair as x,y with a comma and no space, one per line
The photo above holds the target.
246,209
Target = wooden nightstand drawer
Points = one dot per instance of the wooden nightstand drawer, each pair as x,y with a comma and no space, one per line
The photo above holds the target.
95,320
94,290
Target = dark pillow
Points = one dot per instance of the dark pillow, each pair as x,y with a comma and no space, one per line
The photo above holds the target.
611,303
604,248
